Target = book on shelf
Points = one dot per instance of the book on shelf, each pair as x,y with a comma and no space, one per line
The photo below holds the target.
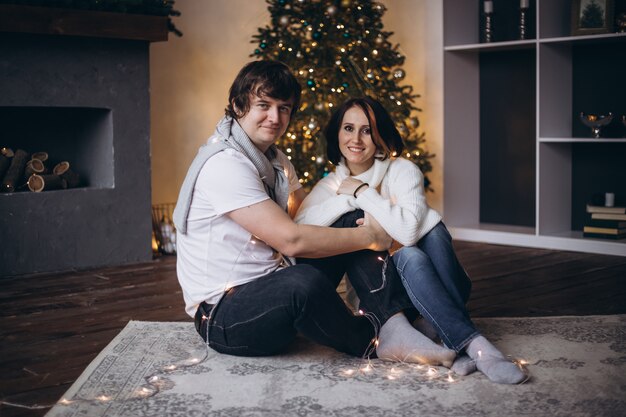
604,236
608,216
614,224
603,209
604,230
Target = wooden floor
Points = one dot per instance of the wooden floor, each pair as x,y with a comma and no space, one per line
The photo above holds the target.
53,325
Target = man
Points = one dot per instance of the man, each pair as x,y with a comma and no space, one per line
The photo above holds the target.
234,228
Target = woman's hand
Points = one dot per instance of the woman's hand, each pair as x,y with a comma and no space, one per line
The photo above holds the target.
349,185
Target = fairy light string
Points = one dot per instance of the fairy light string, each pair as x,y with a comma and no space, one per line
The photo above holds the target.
155,381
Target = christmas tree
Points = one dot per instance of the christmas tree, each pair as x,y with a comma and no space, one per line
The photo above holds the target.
592,16
338,50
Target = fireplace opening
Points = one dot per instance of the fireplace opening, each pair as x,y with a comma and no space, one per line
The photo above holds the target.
82,136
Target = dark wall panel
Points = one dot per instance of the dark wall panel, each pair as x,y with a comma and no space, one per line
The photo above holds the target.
507,132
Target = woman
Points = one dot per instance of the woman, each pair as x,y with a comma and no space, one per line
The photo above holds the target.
362,141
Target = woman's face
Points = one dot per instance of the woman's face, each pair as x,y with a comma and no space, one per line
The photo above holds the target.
355,141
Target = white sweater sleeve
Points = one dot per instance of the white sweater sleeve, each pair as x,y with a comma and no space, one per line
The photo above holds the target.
400,214
323,206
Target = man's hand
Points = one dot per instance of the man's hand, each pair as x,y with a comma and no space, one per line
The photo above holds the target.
348,186
381,240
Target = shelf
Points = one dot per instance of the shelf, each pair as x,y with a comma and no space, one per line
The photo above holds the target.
580,140
520,166
492,46
569,240
586,39
531,43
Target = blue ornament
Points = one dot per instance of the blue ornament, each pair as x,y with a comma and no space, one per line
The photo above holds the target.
310,83
345,85
346,35
257,52
317,35
263,45
282,2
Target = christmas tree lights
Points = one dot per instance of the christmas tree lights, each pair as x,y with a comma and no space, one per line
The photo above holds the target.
338,50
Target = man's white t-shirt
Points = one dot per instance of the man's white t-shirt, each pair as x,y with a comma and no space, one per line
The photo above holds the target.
216,253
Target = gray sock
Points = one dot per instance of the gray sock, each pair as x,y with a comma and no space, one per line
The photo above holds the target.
424,327
491,362
463,365
399,341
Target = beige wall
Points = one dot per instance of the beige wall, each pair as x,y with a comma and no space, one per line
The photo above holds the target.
190,77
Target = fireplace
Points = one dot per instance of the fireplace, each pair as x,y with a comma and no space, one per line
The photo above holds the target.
82,136
86,100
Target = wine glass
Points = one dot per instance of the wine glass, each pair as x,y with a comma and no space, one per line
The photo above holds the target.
596,122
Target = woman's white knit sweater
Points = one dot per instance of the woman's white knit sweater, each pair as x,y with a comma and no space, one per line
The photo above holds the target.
400,206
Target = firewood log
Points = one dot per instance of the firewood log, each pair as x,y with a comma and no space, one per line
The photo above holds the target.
8,152
34,166
63,170
5,161
4,165
15,172
46,182
42,156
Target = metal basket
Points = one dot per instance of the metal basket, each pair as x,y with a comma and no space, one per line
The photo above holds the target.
163,228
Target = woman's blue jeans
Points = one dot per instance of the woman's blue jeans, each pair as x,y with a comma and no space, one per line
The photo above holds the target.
262,317
438,286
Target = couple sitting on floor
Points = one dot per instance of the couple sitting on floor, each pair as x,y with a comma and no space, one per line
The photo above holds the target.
242,215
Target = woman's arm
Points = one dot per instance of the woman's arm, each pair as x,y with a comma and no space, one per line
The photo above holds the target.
323,206
295,201
400,215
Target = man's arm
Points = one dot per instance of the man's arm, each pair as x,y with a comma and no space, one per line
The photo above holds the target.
269,223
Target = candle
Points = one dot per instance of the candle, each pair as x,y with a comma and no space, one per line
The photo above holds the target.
609,199
523,4
488,7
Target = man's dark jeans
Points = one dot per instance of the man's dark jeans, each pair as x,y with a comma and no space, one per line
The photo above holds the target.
263,317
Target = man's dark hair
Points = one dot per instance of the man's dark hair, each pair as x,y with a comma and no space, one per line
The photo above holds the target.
271,78
385,135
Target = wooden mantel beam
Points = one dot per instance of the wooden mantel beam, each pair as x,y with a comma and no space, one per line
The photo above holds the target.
57,21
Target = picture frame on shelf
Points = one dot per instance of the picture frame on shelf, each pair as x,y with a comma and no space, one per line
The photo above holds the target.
592,17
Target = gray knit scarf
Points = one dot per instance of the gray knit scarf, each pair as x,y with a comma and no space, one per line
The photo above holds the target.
229,134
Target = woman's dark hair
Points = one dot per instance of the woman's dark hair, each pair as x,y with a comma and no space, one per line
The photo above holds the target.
271,78
385,135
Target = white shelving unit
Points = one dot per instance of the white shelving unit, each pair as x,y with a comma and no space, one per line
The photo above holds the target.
549,175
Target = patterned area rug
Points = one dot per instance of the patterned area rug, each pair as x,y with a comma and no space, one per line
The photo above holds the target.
577,364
